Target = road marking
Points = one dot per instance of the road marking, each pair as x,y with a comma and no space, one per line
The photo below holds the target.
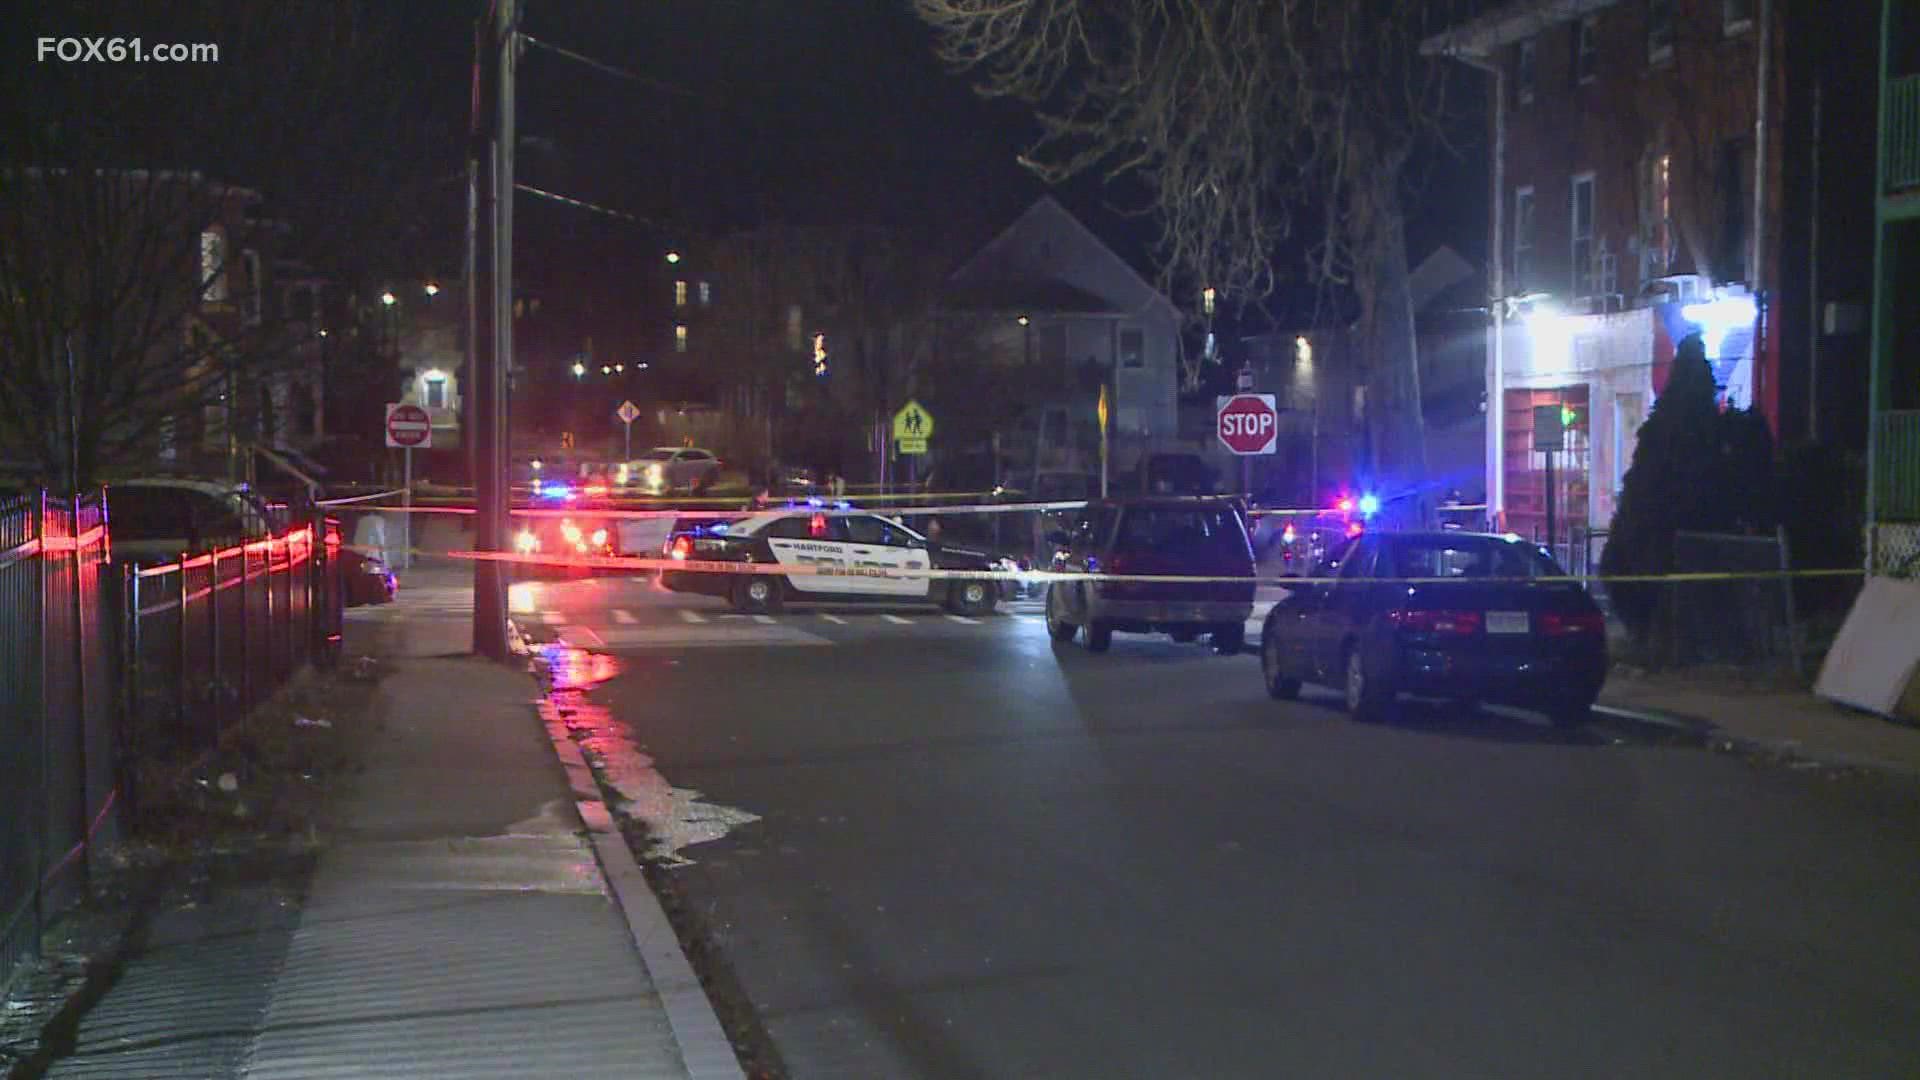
897,620
553,618
963,619
622,615
764,620
691,616
582,635
834,619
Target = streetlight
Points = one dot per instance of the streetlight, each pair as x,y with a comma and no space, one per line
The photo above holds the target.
606,369
673,257
389,299
1023,320
622,368
579,369
433,289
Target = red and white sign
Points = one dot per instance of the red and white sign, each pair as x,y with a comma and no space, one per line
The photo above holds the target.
409,426
1249,423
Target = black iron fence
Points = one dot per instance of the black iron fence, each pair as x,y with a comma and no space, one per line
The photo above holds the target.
104,665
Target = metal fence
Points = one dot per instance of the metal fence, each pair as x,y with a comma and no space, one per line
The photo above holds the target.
1744,621
104,665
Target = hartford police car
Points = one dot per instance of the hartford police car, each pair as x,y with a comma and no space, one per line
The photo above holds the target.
853,556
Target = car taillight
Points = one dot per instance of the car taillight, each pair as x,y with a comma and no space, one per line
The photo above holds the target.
682,547
1564,624
1436,622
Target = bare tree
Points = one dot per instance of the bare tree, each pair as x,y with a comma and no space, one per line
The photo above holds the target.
143,204
1252,123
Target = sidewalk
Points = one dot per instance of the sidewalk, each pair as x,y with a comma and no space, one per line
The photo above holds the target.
457,922
1792,723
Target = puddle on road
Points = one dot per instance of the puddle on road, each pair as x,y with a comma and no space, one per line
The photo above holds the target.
675,818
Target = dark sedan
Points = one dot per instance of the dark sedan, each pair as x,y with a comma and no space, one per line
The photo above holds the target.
1465,616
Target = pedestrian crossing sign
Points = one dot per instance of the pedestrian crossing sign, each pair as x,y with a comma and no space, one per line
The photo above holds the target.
913,424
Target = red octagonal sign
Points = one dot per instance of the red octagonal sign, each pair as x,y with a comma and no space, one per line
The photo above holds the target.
409,426
1249,424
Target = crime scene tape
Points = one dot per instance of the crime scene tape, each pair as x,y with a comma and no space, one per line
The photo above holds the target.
352,499
626,562
608,513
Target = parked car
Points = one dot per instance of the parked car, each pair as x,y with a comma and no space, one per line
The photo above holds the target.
155,520
672,468
863,547
1172,536
1440,614
570,537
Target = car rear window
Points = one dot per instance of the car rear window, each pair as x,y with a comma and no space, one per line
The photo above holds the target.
1466,557
1180,530
657,455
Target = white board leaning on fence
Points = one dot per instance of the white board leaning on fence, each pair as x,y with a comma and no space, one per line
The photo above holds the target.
1875,661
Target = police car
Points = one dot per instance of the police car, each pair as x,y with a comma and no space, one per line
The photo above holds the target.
856,556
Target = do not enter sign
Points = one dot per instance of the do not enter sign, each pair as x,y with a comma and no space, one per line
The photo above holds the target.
409,426
1249,423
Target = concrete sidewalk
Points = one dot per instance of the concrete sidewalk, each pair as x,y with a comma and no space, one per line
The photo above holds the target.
1791,723
460,919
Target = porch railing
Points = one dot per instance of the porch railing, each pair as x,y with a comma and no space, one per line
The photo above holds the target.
1896,468
1900,135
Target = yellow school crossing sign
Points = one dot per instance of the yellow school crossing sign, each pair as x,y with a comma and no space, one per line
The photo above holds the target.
912,427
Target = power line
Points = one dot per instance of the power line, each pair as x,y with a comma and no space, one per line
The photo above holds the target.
581,204
605,68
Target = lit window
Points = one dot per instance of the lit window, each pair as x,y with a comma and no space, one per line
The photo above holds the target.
436,393
679,294
1586,50
1659,31
680,338
1206,300
1523,73
213,266
1522,238
1581,217
706,294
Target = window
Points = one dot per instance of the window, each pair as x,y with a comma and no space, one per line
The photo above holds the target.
1659,31
1736,16
867,529
1465,557
1145,531
435,393
1356,561
1736,209
1133,348
1581,217
1522,238
706,293
680,338
1586,50
679,294
250,287
808,527
1524,70
1656,217
213,266
695,455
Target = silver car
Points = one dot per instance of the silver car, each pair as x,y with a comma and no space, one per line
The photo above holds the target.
671,468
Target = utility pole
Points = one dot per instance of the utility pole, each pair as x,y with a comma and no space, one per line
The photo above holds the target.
495,50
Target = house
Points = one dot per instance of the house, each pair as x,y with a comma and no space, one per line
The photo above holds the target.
1641,194
1315,376
1059,311
428,323
1893,460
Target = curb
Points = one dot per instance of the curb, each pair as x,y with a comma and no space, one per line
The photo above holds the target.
704,1046
1707,733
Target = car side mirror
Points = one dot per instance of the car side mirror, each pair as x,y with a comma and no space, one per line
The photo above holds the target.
1059,538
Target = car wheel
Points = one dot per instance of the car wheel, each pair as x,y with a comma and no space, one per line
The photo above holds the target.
1228,638
1279,686
1099,637
971,597
1058,628
757,593
1367,699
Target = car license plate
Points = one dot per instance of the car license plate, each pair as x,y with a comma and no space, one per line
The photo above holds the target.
1506,622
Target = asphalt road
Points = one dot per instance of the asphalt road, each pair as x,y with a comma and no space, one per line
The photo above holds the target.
979,854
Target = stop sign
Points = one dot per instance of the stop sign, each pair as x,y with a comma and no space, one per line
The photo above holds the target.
408,426
1249,424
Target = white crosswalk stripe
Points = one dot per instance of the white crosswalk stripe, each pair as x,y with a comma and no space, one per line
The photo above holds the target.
764,620
963,619
691,616
623,616
897,620
834,619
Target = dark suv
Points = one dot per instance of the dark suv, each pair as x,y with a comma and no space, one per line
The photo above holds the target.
1156,536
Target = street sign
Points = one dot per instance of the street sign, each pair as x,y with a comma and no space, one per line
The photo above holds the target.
409,426
628,412
912,422
1549,428
1248,424
913,446
1243,382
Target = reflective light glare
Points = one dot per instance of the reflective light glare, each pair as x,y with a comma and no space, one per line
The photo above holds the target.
599,537
1345,506
526,543
1353,528
536,464
1369,505
1717,318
